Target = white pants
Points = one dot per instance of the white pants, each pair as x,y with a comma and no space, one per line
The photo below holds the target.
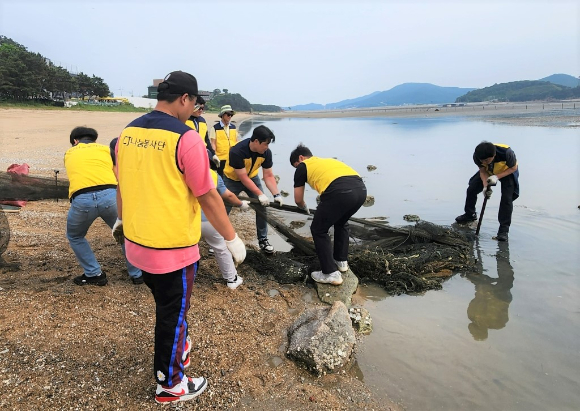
222,254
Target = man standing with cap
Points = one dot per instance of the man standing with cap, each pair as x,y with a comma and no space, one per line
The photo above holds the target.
223,136
164,178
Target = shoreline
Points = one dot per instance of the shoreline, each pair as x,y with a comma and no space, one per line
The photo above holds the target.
551,114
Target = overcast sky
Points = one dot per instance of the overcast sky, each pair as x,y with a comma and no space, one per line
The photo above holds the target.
298,52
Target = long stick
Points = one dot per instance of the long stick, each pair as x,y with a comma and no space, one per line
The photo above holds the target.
299,242
396,230
481,215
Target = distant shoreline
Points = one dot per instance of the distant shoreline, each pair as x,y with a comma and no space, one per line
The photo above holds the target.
552,114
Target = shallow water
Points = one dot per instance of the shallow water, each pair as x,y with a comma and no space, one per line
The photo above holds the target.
504,337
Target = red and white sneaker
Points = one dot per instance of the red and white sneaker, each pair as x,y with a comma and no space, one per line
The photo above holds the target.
185,356
187,389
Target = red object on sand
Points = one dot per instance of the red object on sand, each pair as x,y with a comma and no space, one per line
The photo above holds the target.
17,170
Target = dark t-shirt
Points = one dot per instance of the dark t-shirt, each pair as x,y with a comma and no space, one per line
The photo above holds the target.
300,175
501,154
241,152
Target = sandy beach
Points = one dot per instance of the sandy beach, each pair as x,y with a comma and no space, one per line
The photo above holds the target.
41,137
69,347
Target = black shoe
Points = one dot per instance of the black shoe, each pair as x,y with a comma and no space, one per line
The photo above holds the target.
100,280
466,218
265,246
501,237
137,280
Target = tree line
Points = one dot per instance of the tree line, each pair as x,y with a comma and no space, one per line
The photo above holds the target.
26,76
237,102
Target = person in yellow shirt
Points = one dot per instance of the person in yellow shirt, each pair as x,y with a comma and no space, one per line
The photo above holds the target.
223,136
198,123
241,174
92,194
164,183
342,193
496,163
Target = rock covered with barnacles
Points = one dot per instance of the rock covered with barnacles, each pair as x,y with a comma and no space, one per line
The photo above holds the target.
361,319
322,339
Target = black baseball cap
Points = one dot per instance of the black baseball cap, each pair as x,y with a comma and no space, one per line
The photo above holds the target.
179,82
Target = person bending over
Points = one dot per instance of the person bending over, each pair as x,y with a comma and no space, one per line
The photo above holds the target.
342,193
496,162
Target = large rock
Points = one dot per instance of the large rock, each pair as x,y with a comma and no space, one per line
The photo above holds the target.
329,293
322,338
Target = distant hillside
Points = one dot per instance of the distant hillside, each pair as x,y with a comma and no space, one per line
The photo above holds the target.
413,93
266,108
521,91
353,102
407,93
562,80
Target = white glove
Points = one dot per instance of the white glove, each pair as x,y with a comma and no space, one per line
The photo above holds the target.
278,199
305,208
117,231
264,200
492,180
237,249
487,192
216,160
245,205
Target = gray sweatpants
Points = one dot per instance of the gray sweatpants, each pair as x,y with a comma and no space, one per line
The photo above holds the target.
221,252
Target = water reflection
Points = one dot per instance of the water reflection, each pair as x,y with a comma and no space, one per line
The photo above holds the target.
489,308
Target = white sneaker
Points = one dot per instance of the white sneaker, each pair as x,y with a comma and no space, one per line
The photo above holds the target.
342,266
233,284
333,278
187,389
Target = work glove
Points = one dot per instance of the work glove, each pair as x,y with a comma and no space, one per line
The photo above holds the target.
117,231
216,160
245,205
278,199
487,192
237,249
264,200
492,180
305,208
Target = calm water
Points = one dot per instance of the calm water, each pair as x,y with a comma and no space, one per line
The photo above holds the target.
505,337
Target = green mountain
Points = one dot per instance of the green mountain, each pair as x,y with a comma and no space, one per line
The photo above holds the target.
521,91
239,103
563,80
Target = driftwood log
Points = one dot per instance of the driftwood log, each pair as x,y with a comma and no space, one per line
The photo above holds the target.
393,235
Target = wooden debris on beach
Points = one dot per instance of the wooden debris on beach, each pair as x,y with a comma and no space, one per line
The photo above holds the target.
411,259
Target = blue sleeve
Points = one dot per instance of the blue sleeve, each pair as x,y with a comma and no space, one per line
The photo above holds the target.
221,187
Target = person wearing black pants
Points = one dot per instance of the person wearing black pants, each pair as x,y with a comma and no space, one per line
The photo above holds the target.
342,193
496,162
